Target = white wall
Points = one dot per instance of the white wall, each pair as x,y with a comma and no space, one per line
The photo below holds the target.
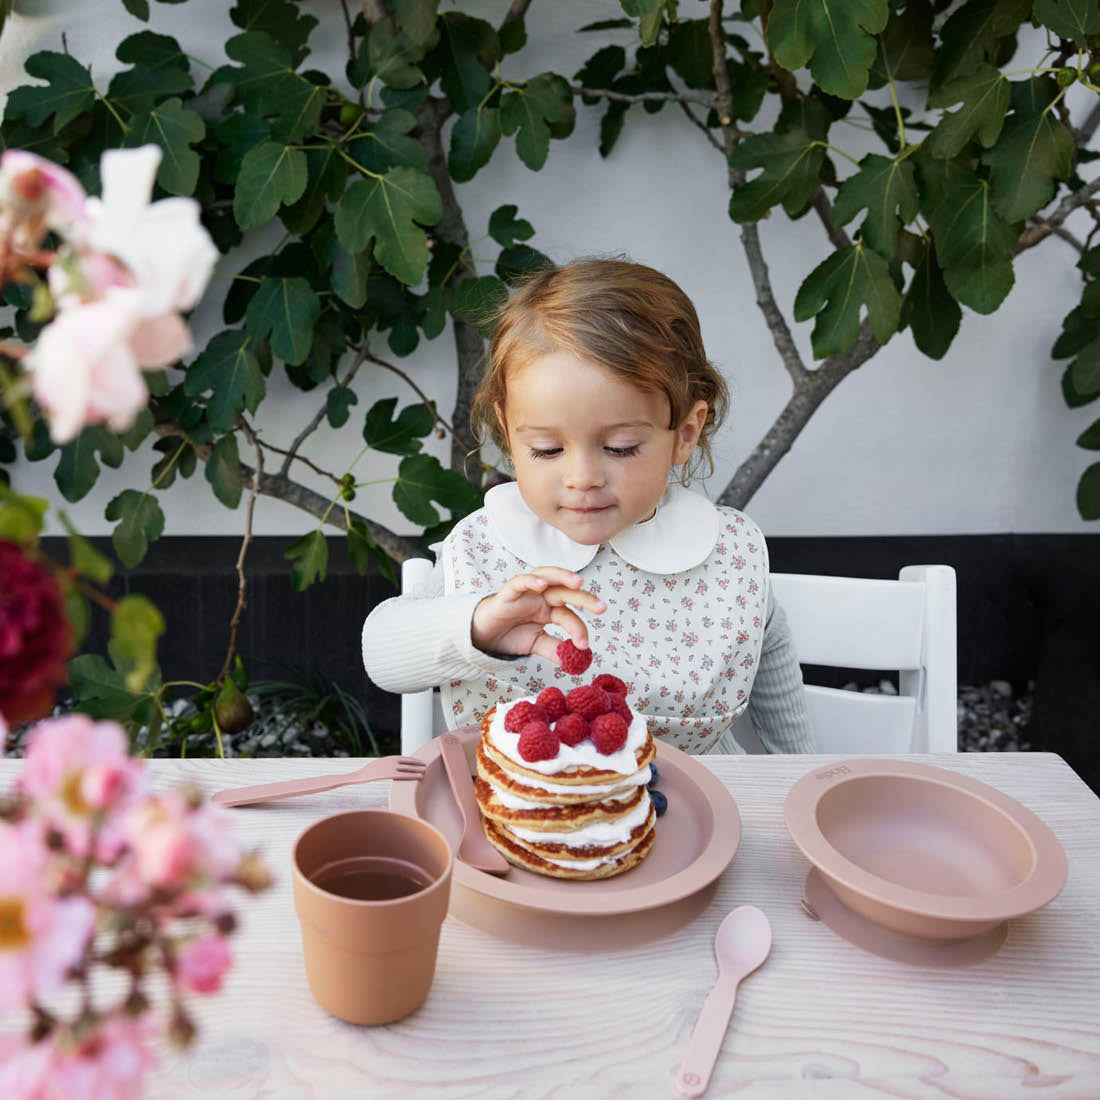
979,442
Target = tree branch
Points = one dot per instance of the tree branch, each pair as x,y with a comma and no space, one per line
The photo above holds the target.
312,426
641,97
750,236
1041,228
516,12
1084,132
702,127
351,33
372,358
242,582
399,547
468,343
820,202
803,403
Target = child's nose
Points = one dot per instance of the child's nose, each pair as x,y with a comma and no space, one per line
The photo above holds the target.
584,472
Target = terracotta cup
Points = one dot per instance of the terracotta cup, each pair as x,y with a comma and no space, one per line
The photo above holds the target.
371,889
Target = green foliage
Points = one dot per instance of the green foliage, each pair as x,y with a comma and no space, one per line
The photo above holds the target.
140,521
836,290
836,40
352,190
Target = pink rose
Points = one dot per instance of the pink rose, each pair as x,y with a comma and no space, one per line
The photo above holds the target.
83,368
41,936
110,1065
77,770
202,964
163,244
33,186
175,844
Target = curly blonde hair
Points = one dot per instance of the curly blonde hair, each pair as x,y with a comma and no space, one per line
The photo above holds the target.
624,316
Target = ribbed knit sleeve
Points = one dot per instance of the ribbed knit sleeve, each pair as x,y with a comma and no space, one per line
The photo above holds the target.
422,638
777,702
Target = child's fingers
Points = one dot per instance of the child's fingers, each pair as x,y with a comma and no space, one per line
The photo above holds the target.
546,645
523,582
572,623
557,575
556,596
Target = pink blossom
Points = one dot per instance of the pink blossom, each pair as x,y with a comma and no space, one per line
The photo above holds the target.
41,936
203,963
129,268
163,244
174,844
83,368
109,1065
33,186
80,775
25,1069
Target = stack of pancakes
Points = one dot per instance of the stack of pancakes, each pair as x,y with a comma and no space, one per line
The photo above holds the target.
576,820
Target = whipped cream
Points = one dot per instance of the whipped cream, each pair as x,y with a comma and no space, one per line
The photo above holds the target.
581,864
514,802
585,755
601,833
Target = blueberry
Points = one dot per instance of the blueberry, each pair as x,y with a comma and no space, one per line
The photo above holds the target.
654,777
660,803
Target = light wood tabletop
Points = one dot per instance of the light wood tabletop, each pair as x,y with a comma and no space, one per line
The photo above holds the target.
821,1020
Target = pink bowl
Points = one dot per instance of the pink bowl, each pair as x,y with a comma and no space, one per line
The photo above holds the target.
921,850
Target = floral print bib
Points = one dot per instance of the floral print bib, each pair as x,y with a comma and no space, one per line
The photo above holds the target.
685,643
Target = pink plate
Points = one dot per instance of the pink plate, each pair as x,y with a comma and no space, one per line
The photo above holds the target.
696,839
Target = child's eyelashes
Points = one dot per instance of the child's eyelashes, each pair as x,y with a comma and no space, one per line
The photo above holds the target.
553,452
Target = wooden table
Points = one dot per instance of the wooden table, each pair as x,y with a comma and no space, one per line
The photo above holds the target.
821,1019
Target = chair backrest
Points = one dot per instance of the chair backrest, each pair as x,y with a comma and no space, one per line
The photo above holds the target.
907,626
421,712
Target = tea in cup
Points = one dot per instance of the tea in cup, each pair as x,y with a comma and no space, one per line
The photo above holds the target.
371,890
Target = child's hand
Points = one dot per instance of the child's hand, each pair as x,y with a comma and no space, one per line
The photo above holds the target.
511,621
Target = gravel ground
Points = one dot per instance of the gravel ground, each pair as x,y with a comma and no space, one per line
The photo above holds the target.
991,719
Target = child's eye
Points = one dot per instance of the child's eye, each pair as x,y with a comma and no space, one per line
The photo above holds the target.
624,452
547,453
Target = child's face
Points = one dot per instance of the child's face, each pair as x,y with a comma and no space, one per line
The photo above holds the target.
591,452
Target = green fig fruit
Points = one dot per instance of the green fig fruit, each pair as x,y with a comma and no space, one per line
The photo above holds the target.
232,708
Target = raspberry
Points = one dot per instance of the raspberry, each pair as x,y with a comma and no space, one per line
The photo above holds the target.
537,741
619,707
611,684
573,660
521,714
552,702
572,729
608,733
587,701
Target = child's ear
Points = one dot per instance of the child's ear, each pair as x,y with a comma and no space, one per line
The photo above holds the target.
687,434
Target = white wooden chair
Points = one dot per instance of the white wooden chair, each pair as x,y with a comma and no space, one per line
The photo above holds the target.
907,626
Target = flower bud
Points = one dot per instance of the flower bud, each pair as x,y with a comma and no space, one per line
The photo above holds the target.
181,1028
226,923
253,874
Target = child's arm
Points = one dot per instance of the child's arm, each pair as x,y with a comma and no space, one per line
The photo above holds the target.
422,638
777,702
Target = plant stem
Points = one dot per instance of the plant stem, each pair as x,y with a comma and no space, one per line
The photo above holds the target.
118,118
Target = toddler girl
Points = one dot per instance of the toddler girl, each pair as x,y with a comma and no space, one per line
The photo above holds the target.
598,388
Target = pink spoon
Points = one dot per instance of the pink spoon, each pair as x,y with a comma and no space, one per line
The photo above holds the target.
743,941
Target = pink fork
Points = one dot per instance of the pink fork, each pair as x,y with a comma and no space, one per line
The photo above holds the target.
386,767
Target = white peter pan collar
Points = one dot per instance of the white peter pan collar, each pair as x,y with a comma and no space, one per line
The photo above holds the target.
678,537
